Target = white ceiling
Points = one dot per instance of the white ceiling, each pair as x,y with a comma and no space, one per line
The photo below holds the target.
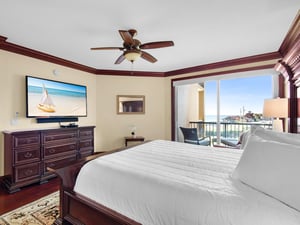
203,31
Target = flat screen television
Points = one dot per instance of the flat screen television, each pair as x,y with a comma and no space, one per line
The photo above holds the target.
54,99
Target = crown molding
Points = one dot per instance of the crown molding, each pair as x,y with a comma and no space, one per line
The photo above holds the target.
53,59
2,39
292,36
227,63
129,73
7,46
209,74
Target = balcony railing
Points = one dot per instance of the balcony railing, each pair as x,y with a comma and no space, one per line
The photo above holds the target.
228,130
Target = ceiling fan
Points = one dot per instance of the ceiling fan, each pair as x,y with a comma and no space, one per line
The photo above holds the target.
133,48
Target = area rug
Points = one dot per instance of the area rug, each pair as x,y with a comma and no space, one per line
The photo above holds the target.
43,211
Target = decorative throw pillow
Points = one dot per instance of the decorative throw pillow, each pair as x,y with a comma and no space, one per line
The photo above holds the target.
271,167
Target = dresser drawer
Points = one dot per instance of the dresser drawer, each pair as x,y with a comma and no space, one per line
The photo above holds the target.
27,172
86,133
49,137
85,153
60,149
27,156
88,143
26,139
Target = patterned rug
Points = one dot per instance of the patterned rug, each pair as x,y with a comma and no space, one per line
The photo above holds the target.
43,211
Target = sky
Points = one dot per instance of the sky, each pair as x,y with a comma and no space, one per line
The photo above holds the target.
38,82
238,94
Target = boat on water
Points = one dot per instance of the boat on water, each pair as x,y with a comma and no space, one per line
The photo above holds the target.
46,104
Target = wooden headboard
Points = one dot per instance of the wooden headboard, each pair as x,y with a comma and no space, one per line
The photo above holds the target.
289,67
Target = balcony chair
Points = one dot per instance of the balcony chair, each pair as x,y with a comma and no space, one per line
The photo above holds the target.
190,135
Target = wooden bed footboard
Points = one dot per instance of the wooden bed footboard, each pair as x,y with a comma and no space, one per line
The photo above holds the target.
79,210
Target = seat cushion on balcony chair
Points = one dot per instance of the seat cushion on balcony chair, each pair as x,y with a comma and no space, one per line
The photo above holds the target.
201,141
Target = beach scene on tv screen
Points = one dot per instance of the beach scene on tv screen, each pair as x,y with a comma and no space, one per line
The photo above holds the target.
51,98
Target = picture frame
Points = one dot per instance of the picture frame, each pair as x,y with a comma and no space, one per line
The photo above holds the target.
130,104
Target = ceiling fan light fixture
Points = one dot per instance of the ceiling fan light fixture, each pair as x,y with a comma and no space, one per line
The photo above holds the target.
133,49
132,55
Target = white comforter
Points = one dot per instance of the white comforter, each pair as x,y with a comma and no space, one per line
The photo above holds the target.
171,183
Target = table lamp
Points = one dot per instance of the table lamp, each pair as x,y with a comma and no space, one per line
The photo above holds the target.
276,108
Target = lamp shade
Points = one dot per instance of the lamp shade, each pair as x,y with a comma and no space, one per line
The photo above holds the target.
132,55
277,107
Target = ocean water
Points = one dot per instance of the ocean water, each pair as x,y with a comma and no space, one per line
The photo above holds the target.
213,118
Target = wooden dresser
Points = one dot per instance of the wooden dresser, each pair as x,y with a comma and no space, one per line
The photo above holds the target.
27,154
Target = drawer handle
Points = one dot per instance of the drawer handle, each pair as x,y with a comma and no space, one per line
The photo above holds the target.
52,150
28,172
28,155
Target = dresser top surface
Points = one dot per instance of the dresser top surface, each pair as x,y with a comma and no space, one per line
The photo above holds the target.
46,129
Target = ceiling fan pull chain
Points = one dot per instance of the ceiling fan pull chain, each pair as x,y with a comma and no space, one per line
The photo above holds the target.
132,67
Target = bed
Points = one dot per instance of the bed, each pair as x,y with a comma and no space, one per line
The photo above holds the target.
165,182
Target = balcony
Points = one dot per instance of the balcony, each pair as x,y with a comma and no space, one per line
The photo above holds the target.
229,131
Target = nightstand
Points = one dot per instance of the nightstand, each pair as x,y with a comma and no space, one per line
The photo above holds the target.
133,139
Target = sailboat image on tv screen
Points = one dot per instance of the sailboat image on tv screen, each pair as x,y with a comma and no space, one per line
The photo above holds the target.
46,104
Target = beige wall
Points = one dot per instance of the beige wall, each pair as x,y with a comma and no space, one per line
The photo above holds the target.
112,127
102,90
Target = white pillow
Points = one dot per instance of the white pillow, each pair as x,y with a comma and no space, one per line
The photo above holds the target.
284,137
271,167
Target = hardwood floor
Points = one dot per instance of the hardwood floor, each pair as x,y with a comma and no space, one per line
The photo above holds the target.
28,194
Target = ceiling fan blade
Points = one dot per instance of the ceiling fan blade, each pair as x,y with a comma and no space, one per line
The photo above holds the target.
120,59
107,48
148,57
127,37
157,44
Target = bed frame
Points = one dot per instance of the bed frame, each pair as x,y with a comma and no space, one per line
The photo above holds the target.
78,210
289,67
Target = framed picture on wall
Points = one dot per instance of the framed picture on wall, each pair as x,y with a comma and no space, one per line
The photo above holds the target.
130,104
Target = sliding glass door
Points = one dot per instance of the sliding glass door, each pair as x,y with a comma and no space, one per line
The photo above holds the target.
234,104
231,104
